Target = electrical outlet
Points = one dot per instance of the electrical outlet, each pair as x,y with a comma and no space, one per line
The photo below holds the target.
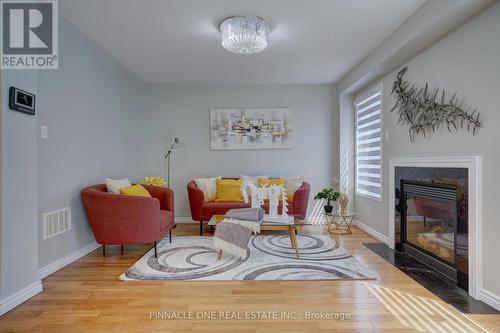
386,135
45,132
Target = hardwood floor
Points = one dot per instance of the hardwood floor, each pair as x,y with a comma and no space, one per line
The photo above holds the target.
87,296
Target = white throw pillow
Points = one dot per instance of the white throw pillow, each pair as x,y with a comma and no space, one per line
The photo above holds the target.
208,186
253,179
292,184
114,185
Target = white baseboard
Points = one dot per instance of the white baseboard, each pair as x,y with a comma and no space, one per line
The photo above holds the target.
66,260
19,297
489,298
372,232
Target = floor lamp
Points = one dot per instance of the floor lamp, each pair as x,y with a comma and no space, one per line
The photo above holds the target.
176,146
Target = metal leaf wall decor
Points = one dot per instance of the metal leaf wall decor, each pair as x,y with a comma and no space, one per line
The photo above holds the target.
423,111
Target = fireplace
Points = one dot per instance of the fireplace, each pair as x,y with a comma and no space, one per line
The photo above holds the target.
464,172
433,226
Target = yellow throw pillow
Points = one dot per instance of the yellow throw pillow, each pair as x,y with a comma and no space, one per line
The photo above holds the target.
135,190
228,190
271,181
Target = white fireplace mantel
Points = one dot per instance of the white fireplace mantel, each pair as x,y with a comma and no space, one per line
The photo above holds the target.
475,170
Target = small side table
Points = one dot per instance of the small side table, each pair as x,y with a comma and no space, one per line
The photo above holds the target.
340,224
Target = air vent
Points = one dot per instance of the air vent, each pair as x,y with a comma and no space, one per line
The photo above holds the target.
56,222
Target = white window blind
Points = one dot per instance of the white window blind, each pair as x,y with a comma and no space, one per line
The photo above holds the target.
368,106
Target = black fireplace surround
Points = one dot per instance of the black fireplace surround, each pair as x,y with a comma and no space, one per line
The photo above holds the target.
432,219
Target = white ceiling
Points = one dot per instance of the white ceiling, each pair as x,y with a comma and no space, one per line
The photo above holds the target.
311,41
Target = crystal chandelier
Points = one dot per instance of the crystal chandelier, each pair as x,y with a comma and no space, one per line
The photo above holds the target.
244,34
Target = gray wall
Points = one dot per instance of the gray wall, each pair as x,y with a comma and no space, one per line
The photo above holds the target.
466,61
19,242
183,111
90,105
347,147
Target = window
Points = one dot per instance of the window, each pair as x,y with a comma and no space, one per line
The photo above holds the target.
368,108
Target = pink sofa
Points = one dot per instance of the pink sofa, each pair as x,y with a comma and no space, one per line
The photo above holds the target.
203,211
121,219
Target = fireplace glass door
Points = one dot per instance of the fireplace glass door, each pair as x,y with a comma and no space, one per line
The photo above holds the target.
431,225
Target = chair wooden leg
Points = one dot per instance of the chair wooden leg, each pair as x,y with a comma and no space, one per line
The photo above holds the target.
121,248
103,250
201,228
170,235
156,253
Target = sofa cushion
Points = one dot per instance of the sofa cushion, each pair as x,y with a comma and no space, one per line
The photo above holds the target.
135,190
253,179
221,208
271,181
292,184
208,186
166,220
114,185
229,190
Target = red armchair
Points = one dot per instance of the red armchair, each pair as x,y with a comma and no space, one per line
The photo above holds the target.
121,219
203,211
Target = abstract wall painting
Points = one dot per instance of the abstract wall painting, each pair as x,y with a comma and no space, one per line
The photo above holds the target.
251,128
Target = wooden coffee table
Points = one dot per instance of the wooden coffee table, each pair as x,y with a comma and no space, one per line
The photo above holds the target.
291,228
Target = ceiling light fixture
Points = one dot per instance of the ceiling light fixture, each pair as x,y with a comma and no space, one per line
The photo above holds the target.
244,34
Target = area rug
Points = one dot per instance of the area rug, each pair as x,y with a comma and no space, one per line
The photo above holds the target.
269,257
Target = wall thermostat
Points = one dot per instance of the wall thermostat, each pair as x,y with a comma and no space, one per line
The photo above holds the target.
21,101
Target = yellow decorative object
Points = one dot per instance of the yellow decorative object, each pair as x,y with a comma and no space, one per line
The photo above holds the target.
271,181
135,190
154,180
228,190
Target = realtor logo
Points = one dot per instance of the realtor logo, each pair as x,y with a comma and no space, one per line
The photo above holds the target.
29,34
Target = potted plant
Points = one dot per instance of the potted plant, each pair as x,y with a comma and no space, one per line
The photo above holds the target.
328,194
